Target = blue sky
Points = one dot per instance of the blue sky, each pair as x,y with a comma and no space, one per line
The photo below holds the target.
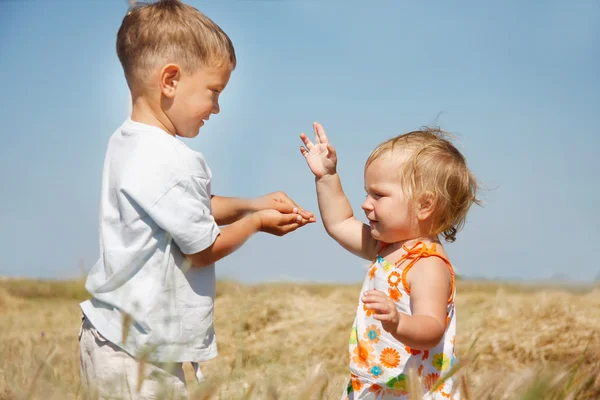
517,82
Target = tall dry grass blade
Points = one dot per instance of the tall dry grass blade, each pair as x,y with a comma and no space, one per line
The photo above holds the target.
323,389
127,321
455,368
315,383
537,389
141,375
204,392
249,391
578,366
465,387
415,389
38,372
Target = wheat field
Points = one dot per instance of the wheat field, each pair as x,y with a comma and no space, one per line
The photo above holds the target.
289,341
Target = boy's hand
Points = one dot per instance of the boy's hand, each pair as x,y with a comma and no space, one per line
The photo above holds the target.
281,202
276,223
320,156
384,307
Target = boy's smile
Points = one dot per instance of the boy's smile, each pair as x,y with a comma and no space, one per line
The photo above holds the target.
195,97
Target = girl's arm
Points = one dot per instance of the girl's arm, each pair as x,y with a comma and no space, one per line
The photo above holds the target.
336,212
430,288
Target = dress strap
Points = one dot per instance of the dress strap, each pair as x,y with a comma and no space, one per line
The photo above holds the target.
414,254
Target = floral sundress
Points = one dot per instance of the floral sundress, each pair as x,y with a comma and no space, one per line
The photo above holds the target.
379,364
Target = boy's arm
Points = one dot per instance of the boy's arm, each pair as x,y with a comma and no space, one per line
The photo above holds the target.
232,237
184,211
336,212
227,210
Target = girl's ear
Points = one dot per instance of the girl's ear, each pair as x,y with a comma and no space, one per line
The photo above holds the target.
426,206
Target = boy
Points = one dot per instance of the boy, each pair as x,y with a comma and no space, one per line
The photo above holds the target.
158,216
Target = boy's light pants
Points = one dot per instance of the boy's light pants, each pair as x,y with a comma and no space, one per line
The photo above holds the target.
108,372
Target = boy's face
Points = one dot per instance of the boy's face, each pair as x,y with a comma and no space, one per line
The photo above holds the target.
194,98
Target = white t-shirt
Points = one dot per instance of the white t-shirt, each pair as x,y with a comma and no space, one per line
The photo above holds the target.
155,205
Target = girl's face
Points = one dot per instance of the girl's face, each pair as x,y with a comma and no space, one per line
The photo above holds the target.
391,214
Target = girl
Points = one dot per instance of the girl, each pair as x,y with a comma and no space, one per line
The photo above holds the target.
418,189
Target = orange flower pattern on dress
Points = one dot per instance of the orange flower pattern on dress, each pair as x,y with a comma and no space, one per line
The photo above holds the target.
378,390
411,351
363,355
395,294
379,364
394,279
390,358
356,384
372,271
430,380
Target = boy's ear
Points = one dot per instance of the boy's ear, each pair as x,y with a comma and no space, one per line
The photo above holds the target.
170,75
426,206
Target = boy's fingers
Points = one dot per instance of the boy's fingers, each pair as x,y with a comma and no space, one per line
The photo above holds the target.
291,227
290,207
298,209
286,208
304,213
288,219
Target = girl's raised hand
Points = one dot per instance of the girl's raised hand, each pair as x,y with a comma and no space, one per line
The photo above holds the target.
320,156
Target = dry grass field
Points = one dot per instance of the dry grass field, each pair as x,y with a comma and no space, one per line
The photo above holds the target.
289,341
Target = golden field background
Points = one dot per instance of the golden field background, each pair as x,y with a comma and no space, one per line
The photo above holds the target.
289,341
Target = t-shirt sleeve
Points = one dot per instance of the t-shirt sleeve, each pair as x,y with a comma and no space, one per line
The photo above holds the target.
184,211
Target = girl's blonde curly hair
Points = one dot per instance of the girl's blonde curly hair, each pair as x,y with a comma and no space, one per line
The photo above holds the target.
430,164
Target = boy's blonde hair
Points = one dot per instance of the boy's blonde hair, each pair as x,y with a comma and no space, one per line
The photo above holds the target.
430,163
169,31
